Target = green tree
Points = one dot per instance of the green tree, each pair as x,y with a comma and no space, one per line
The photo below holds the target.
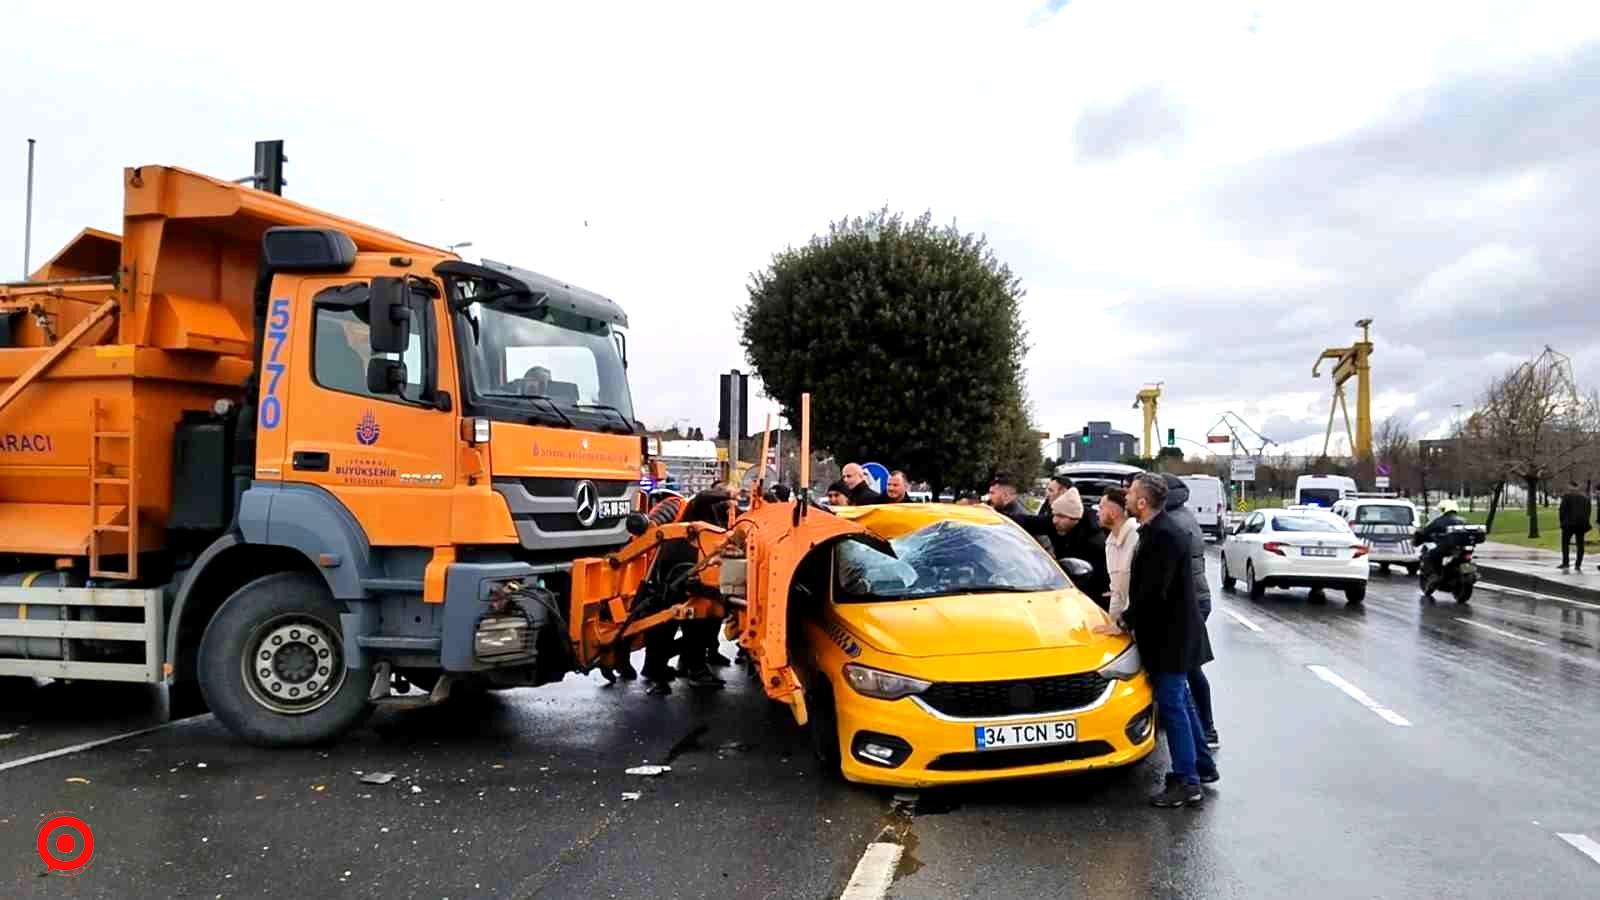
909,339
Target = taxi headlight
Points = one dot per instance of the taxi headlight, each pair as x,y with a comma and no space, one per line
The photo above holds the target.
882,685
1125,666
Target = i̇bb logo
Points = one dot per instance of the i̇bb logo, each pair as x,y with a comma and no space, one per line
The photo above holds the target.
65,844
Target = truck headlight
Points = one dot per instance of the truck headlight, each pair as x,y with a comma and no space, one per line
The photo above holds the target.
1125,666
882,685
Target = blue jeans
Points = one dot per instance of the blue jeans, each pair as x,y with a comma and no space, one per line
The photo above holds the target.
1186,737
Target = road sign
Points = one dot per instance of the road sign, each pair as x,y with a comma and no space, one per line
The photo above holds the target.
1383,471
1382,482
1218,438
1243,470
877,476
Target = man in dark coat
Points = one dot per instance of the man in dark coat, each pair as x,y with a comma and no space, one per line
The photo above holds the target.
1075,533
861,492
1165,620
1003,496
1574,517
1177,508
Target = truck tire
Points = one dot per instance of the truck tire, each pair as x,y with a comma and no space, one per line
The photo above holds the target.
272,664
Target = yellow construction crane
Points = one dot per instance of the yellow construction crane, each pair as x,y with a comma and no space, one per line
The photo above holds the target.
1351,362
1149,397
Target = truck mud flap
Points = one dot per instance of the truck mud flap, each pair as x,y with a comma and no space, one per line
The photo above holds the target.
90,634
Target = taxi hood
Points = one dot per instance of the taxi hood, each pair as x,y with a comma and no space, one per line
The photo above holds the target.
966,624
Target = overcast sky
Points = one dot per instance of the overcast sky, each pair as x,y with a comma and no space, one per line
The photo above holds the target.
1201,193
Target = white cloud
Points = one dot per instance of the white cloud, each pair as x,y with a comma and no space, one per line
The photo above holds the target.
659,153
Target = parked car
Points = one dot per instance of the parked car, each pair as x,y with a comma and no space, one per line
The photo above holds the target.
1385,524
1298,546
965,656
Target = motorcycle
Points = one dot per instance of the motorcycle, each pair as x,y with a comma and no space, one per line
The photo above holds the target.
1450,569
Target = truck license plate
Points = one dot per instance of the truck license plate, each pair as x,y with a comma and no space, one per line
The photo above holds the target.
1030,734
612,509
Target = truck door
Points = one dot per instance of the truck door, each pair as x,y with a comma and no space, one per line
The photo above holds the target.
388,454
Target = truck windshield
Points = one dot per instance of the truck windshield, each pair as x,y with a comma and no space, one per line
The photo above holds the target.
946,558
568,360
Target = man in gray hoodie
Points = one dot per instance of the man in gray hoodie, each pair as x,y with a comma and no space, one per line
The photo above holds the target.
1177,496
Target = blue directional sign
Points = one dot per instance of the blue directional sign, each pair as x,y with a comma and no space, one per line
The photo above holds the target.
877,476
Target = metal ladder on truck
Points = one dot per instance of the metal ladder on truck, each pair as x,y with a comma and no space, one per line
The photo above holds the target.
53,615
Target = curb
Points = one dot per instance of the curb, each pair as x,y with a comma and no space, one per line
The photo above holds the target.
1537,583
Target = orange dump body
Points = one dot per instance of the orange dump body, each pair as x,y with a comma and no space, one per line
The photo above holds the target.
117,337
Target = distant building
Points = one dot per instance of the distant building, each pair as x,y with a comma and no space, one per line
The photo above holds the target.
1105,444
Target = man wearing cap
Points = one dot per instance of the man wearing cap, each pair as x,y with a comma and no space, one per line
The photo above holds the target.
1574,518
838,495
1076,534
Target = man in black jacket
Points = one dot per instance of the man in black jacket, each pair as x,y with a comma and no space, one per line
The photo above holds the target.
861,492
1574,517
1177,508
1165,620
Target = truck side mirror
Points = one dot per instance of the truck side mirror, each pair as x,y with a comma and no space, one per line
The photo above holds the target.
385,376
389,314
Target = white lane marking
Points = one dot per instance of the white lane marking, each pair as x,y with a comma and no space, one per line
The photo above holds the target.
874,872
1241,620
1515,637
1360,696
87,745
1583,844
1538,596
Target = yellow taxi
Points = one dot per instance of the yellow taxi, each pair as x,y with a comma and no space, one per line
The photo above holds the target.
946,646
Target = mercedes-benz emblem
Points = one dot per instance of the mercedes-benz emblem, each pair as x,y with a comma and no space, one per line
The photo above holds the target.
588,510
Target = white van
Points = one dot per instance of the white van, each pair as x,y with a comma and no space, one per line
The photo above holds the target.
1323,490
1207,502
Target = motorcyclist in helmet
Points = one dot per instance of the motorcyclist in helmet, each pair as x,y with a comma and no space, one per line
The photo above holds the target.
1449,514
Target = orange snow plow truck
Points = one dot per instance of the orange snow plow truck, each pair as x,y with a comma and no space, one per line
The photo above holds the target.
292,467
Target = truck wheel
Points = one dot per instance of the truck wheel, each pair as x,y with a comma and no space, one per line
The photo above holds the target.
272,664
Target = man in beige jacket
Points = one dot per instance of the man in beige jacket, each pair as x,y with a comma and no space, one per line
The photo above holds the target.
1122,538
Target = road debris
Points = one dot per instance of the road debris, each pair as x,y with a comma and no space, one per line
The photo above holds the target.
377,778
631,795
415,789
319,788
8,736
77,779
649,771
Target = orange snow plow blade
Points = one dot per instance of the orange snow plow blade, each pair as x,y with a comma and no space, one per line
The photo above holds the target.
742,574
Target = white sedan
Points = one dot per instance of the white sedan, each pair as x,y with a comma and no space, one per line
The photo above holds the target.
1295,547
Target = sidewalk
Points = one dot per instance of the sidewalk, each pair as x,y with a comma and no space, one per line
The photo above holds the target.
1535,569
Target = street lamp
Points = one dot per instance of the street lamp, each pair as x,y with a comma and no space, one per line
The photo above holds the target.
454,247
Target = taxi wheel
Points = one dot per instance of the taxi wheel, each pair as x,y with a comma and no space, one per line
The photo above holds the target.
1258,591
824,726
1355,594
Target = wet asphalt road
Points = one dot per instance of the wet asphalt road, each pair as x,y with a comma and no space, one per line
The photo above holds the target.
519,794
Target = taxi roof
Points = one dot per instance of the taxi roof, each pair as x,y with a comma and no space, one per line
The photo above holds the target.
890,520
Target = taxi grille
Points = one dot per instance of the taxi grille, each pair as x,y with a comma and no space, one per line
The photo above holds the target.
1016,759
983,699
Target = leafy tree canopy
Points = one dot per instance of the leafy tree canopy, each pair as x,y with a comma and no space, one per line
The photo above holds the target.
908,337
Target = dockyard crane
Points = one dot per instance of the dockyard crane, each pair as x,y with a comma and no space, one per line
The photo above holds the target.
1351,362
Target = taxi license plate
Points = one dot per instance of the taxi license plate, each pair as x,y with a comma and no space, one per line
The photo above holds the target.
1029,734
1318,551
